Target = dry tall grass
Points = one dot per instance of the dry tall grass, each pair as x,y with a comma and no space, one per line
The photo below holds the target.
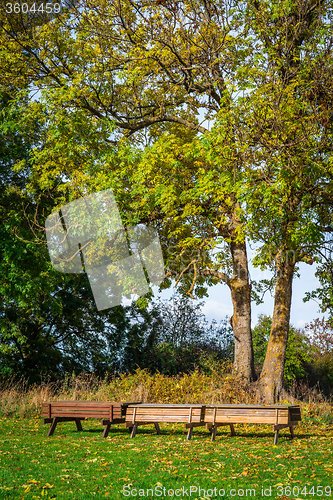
19,400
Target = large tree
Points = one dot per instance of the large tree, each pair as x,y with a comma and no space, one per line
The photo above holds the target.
290,203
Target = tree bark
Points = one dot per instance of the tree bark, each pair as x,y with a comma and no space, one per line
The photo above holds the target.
271,378
240,321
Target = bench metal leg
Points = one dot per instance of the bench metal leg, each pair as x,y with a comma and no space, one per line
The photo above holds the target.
53,426
106,431
291,432
189,434
78,424
134,429
276,437
232,430
213,432
157,427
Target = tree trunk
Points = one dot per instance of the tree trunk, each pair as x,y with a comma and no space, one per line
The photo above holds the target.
271,378
240,289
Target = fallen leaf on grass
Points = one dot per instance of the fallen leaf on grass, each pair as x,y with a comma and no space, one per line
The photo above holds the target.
48,486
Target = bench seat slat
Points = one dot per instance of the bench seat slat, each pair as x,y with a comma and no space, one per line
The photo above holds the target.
77,404
81,414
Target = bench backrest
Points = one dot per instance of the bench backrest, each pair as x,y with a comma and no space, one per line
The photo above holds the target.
237,414
84,409
165,413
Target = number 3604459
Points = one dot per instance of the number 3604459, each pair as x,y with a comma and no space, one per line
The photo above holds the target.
26,8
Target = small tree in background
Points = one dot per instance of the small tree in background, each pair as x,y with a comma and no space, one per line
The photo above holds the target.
320,370
178,340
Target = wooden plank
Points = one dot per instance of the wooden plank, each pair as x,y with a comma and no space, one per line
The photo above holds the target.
60,419
130,425
181,418
114,421
167,405
87,410
247,407
165,411
244,420
194,424
164,418
284,426
250,408
220,424
81,407
65,402
81,414
68,402
243,411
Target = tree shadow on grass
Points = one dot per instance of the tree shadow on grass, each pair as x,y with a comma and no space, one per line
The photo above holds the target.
284,435
173,431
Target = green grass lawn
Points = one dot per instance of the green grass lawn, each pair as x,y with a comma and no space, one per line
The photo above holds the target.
73,465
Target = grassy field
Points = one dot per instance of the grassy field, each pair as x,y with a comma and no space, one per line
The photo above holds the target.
73,465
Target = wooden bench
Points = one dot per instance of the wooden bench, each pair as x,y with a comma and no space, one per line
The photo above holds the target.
143,414
75,411
280,416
